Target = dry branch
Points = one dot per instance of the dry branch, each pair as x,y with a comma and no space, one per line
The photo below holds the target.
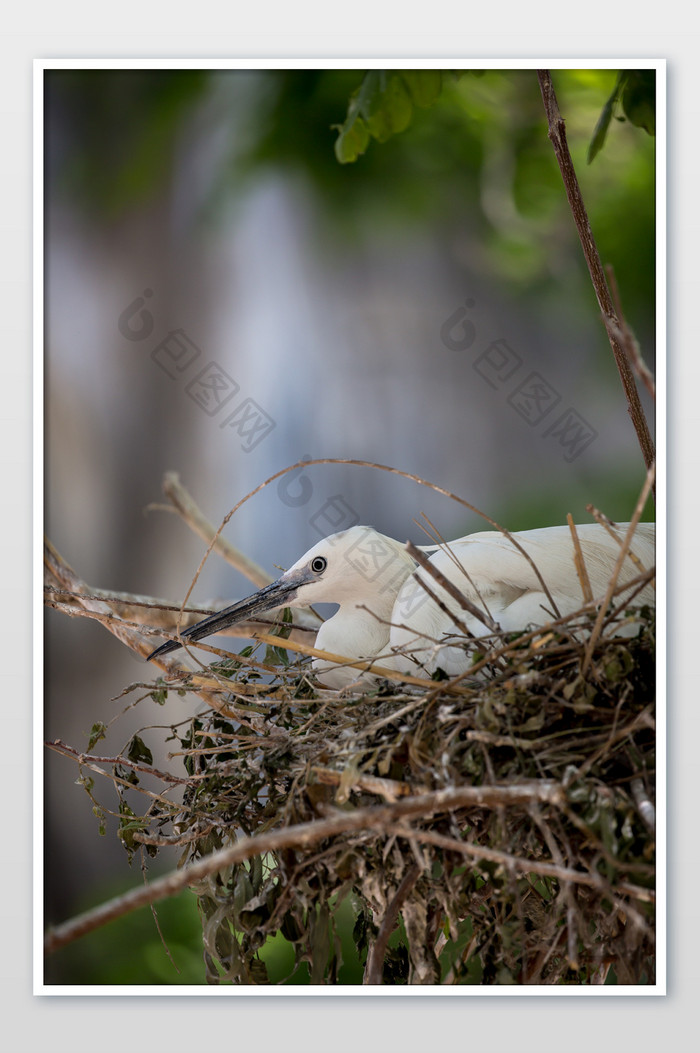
303,835
557,135
375,958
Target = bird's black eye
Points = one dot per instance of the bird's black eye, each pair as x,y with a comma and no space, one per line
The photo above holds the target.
318,564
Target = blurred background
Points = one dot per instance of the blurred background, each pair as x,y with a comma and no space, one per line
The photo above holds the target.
224,298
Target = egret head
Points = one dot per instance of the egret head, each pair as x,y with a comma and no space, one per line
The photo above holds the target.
356,566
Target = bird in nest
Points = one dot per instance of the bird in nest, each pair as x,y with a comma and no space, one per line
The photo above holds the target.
414,620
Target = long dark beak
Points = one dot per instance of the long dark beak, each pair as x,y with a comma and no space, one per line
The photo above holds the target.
274,595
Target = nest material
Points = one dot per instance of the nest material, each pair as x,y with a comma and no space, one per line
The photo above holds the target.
542,873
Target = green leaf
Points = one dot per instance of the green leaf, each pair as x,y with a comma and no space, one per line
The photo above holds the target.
639,99
97,732
352,141
382,106
635,89
424,85
126,774
129,824
389,108
139,752
160,695
601,128
276,656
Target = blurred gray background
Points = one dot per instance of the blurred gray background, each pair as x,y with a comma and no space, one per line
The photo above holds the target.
426,307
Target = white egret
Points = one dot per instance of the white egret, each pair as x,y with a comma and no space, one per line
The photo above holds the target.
386,615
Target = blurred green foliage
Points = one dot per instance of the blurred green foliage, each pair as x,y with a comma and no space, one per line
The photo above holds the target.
635,92
472,155
130,950
613,494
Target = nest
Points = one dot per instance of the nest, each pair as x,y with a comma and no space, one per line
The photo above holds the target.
492,829
496,830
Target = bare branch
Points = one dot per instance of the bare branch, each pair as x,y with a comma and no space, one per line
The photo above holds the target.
300,836
557,135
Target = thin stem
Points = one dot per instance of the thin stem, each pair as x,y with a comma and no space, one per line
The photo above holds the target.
624,551
557,135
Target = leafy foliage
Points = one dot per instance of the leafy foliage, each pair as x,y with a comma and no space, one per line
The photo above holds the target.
119,131
635,90
382,106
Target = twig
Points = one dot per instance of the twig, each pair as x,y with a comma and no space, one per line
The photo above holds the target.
644,719
604,521
557,135
243,630
567,891
129,606
627,337
453,591
644,806
624,549
375,958
93,759
62,573
390,789
154,611
509,648
579,562
445,546
339,659
382,468
524,865
85,761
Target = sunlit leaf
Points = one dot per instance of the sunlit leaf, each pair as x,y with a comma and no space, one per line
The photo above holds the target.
352,141
382,106
386,106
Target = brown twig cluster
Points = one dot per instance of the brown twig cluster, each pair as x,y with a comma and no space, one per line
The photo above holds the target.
504,827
